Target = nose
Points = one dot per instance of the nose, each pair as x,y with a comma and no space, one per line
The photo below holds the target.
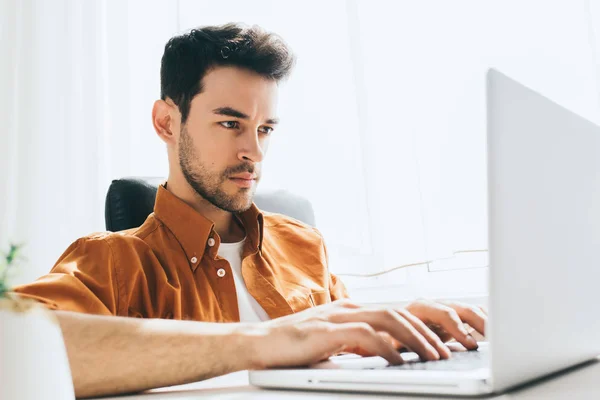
251,148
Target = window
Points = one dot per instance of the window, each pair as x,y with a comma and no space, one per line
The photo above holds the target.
384,121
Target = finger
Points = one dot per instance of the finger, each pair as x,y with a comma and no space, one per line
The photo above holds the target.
449,320
472,316
386,336
345,303
427,333
442,334
439,331
477,336
390,321
362,335
330,353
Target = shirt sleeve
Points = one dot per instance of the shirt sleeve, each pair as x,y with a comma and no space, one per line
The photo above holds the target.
337,289
82,280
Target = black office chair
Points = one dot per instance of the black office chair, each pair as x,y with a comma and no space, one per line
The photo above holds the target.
129,201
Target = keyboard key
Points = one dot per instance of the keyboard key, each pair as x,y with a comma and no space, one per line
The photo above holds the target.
460,361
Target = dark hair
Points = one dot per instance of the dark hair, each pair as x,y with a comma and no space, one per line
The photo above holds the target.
188,58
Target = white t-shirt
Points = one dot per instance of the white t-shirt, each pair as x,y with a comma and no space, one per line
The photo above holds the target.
250,310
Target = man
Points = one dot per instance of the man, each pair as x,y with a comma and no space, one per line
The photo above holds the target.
208,255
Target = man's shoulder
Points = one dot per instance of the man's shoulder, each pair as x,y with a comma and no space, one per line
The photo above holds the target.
129,237
274,222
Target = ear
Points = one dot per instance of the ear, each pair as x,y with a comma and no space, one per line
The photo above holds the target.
166,120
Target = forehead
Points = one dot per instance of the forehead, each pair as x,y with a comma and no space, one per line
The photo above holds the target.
238,88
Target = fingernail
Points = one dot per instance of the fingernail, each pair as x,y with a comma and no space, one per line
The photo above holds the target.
433,352
446,353
471,340
399,360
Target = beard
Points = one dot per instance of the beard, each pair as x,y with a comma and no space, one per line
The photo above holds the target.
210,185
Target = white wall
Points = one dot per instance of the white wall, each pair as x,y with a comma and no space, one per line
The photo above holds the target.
382,120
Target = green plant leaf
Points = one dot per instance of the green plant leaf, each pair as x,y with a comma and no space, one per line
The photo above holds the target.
8,265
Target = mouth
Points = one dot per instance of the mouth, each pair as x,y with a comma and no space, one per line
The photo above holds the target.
243,182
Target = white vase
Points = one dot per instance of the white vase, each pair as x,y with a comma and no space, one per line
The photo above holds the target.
33,358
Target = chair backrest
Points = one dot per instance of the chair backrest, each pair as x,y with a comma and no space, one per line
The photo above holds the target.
129,201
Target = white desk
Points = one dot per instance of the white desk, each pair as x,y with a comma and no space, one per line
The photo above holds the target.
580,383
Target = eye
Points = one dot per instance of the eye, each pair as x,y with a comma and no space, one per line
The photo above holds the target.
230,124
265,129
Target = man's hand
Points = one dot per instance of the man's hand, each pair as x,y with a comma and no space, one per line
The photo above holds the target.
342,326
447,320
109,355
315,334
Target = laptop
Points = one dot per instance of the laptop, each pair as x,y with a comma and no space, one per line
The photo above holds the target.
544,262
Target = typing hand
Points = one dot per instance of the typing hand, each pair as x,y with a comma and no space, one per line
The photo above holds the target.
315,334
448,319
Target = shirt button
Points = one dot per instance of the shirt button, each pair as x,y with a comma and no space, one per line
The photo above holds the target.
194,260
221,273
211,242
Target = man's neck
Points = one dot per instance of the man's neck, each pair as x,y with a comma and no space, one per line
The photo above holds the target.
227,226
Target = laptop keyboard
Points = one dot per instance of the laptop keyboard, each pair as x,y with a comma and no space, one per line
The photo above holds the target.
460,361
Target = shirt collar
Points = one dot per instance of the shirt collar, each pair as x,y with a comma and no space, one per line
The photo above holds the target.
193,230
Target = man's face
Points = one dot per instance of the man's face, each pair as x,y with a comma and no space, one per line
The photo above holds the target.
225,138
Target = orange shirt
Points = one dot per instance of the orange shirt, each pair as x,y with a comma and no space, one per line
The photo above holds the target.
167,268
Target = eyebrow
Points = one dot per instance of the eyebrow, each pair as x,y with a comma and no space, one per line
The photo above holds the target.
232,112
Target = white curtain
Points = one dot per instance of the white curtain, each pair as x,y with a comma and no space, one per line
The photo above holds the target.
383,124
78,79
384,121
424,70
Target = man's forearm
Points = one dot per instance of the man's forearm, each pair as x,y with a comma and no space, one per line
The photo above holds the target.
111,355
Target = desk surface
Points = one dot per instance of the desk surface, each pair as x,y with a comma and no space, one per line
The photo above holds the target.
579,383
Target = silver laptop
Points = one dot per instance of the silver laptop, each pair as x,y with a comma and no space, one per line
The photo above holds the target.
544,243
